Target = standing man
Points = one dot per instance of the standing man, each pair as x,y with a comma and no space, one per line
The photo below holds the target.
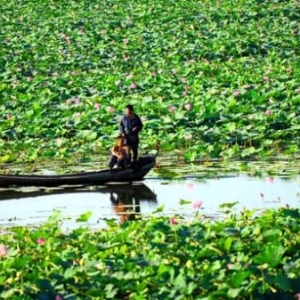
130,127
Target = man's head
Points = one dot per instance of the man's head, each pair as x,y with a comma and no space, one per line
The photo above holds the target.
129,110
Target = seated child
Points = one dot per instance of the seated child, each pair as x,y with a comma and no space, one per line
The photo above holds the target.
120,154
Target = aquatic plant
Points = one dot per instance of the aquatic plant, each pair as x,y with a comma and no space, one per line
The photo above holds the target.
245,256
226,72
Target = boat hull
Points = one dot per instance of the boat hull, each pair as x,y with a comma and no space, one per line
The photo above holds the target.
137,173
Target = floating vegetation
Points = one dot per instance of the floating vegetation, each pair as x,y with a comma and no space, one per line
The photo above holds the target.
212,79
245,256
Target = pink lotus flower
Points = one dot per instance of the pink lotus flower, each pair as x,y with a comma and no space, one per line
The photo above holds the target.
77,101
188,106
58,297
58,142
75,262
197,204
97,106
271,179
191,62
213,91
173,221
3,250
67,39
41,241
297,91
268,112
76,115
271,101
236,93
111,109
69,101
172,109
289,70
8,116
14,83
133,86
247,86
183,80
99,266
188,137
266,79
190,186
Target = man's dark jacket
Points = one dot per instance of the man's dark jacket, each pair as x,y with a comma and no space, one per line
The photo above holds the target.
127,124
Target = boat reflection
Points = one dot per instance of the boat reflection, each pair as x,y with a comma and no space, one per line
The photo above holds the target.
126,206
125,199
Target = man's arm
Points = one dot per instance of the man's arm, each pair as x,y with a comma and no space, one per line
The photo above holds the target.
139,125
121,127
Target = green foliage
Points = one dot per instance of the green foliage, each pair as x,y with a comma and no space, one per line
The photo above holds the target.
219,79
84,217
239,257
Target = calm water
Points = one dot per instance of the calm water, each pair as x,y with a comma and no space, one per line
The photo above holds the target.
29,206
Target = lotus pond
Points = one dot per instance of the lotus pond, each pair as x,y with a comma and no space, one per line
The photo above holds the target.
163,239
212,79
238,257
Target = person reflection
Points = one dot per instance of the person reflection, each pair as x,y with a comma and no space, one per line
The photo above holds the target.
126,206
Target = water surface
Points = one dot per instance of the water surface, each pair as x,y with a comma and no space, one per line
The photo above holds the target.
30,206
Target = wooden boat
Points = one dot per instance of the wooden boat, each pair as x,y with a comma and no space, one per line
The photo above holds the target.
136,173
